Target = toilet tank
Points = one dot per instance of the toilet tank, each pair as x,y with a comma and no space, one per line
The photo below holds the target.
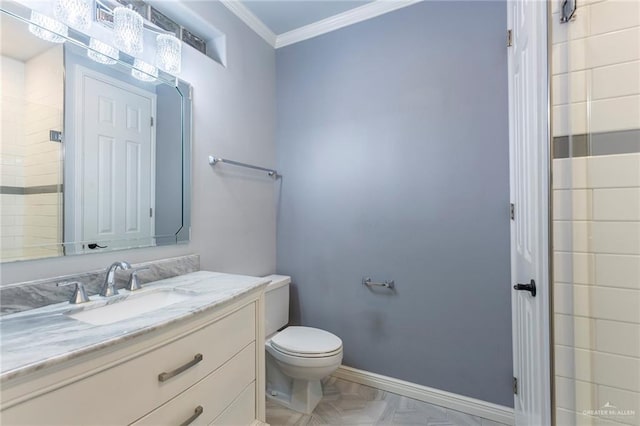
276,301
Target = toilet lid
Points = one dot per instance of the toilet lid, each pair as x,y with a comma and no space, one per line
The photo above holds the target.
306,341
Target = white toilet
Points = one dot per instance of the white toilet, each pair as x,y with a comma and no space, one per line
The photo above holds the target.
297,358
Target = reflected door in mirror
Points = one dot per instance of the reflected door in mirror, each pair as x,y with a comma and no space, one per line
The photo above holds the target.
117,174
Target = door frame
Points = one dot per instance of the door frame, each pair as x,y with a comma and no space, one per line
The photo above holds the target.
77,150
544,268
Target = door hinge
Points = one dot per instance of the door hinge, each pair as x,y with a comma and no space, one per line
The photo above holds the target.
151,121
509,38
150,211
515,385
512,211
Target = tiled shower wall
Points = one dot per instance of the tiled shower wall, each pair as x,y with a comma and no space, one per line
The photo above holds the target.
32,102
596,129
43,160
12,153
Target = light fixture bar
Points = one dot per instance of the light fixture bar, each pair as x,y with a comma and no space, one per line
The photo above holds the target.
152,17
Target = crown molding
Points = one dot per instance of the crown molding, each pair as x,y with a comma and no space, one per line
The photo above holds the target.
251,20
350,17
332,23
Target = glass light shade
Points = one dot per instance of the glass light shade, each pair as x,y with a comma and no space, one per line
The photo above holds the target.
169,53
128,27
102,52
75,13
144,71
47,28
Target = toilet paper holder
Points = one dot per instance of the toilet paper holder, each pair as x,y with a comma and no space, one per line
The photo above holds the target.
386,284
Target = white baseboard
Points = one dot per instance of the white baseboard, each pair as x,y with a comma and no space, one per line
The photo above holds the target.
472,406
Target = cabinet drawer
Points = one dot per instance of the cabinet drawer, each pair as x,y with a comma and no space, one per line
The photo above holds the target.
130,390
242,411
213,394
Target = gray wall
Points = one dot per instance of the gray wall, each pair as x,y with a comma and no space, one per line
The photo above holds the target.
392,139
233,219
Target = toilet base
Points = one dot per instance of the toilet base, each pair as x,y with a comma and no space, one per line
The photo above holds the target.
295,394
304,397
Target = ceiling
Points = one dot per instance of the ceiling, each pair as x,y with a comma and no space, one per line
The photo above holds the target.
281,16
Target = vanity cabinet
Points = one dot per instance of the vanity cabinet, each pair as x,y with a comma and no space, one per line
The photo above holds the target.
205,370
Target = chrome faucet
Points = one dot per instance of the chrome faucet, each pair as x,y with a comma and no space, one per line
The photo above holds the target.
134,281
109,286
79,294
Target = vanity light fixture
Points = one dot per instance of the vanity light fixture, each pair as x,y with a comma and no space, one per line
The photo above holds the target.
144,71
128,36
102,52
128,30
74,13
47,28
169,53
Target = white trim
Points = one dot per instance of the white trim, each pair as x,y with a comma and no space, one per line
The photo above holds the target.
350,17
472,406
251,20
332,23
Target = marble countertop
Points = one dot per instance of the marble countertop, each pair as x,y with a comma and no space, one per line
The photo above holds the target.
42,337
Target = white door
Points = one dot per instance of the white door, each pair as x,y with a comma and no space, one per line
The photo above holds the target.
529,166
117,178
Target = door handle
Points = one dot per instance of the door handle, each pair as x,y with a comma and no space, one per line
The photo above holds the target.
94,246
527,287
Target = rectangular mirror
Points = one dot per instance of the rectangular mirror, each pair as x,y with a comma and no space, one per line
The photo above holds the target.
94,158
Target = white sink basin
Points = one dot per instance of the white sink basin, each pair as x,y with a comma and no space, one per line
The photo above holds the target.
132,306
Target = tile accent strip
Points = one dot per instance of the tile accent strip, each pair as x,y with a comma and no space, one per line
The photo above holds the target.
30,190
609,143
34,294
11,190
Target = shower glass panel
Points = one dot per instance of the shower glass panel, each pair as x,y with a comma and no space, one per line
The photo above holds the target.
595,65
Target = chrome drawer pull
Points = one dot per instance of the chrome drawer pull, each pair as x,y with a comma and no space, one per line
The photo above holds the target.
196,414
163,377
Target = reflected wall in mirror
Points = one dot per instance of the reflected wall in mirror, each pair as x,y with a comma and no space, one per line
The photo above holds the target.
93,159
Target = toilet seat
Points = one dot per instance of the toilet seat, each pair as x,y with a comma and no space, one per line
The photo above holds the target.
323,355
306,362
306,342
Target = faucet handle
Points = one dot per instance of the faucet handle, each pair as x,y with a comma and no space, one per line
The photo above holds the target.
133,284
79,294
